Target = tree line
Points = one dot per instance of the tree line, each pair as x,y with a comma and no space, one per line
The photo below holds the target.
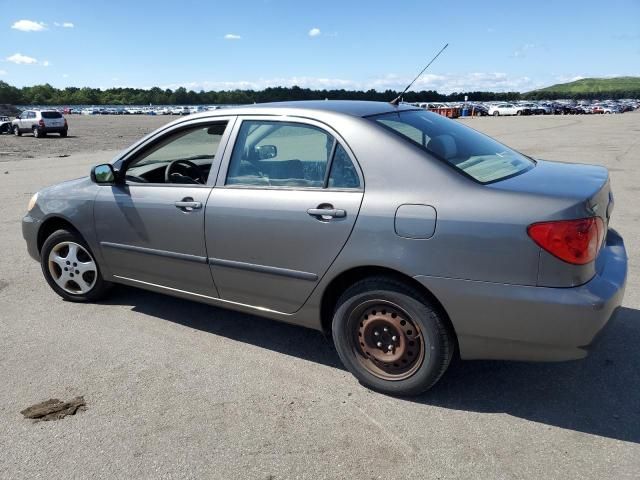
49,95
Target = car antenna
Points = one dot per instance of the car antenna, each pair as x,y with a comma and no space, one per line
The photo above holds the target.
398,99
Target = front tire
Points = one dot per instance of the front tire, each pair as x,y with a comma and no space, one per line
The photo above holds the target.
16,131
391,337
496,114
70,268
63,133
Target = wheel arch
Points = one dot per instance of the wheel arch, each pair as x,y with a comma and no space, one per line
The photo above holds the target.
52,224
347,278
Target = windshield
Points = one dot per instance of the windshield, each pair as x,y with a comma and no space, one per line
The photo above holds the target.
471,152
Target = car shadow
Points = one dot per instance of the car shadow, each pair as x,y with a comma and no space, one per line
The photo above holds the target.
598,395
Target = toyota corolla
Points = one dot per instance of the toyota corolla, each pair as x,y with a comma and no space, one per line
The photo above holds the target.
406,236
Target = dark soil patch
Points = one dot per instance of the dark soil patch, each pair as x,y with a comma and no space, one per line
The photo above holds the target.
54,409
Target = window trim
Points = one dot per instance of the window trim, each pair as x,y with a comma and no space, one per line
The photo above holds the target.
305,121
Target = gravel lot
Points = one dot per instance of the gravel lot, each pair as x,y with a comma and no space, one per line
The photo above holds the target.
175,389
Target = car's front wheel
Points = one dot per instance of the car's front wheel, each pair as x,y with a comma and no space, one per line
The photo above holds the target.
63,133
71,269
391,337
496,113
16,131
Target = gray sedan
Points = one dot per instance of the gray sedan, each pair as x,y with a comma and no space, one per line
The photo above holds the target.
407,236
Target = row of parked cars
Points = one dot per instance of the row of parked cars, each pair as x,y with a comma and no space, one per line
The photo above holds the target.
170,110
555,108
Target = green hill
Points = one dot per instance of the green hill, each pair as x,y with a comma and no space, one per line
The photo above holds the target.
617,87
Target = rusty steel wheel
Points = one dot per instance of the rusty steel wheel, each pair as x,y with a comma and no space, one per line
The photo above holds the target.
387,342
391,336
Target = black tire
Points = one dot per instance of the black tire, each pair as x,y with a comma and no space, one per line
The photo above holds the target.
496,114
99,288
63,133
436,339
16,131
37,133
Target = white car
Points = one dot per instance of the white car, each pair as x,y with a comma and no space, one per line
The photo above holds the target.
180,111
508,109
40,122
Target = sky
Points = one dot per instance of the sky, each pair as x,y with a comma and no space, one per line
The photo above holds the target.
515,45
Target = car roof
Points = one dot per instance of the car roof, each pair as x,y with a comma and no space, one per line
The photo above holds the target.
355,108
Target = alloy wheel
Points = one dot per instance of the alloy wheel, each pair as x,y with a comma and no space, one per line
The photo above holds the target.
73,268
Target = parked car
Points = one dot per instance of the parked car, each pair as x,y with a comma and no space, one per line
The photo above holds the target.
408,237
40,123
5,125
180,111
508,109
533,108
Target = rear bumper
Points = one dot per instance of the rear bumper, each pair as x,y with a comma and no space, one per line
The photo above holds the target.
515,322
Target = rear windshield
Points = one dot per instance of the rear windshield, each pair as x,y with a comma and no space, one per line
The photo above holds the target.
51,115
469,151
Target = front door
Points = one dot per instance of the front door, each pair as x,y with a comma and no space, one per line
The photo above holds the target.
281,211
151,227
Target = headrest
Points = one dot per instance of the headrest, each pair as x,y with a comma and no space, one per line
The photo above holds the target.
443,146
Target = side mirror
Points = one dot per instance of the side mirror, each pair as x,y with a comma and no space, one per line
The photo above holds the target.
103,174
265,152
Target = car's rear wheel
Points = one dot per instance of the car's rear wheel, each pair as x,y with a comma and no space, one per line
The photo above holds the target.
63,133
71,269
496,114
16,131
37,133
391,337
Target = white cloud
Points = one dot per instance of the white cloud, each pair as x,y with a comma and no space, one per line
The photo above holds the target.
64,24
314,32
522,51
20,59
2,73
443,83
45,63
29,26
232,36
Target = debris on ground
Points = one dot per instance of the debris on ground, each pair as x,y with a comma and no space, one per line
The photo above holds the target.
54,409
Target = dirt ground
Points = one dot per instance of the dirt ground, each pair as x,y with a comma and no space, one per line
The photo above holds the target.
176,389
87,133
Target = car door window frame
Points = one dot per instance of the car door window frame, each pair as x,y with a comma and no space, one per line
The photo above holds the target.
226,159
147,143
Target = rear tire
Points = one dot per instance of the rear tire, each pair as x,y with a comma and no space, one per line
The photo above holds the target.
391,337
63,133
496,114
37,133
70,268
16,131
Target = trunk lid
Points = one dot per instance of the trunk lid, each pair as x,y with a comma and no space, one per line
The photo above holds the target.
563,191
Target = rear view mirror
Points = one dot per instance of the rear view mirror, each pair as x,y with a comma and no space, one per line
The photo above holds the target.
103,174
265,152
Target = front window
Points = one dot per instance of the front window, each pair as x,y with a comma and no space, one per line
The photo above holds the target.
184,156
469,151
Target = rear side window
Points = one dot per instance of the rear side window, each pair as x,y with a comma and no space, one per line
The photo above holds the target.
343,174
469,151
51,115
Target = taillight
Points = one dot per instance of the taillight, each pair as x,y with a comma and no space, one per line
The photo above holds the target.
41,123
574,241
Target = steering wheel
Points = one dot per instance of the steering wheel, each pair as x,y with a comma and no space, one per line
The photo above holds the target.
172,176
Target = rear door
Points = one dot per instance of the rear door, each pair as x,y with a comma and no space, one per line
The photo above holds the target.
285,203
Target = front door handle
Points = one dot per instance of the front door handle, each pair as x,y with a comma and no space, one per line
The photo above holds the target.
187,204
327,212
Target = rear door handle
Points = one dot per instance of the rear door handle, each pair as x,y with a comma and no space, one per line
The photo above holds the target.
327,212
188,204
